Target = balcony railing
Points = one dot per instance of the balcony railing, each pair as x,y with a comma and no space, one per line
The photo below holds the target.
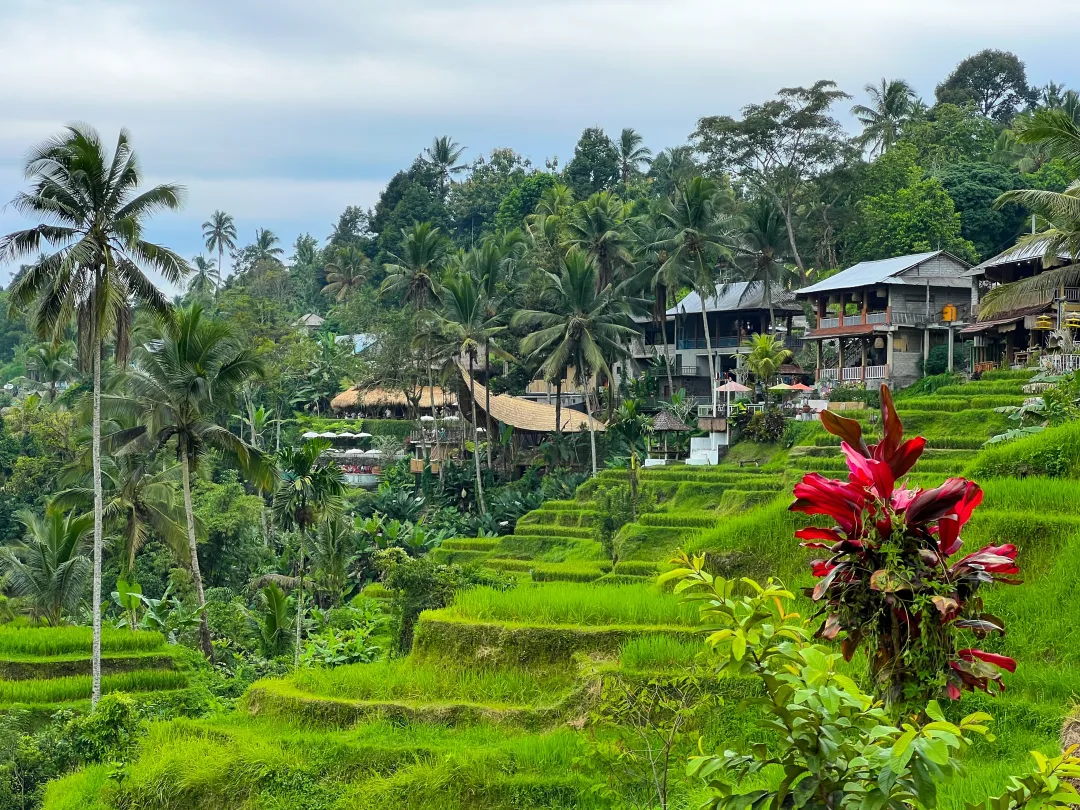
724,411
718,342
853,374
1064,363
1072,295
893,317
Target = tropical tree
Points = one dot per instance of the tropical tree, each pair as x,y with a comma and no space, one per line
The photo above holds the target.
1058,133
265,248
333,548
580,326
891,104
220,234
346,273
651,236
444,156
307,494
767,354
186,376
50,364
758,256
596,226
413,278
701,235
206,279
465,322
93,217
632,153
50,569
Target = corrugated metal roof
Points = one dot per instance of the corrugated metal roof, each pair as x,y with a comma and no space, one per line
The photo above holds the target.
735,296
1021,252
864,274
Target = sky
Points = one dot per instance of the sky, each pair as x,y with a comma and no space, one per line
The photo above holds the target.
283,112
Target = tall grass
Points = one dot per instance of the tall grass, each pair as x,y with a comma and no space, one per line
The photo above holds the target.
77,687
564,603
659,652
51,641
438,682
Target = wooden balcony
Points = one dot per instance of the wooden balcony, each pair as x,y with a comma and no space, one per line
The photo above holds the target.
853,374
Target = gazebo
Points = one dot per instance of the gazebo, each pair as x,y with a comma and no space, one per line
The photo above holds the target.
665,422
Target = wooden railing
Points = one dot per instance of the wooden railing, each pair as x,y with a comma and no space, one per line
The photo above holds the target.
853,373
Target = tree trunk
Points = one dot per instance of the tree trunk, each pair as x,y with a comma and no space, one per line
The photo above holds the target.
487,400
667,357
558,409
708,349
476,442
299,601
791,241
95,666
196,575
588,415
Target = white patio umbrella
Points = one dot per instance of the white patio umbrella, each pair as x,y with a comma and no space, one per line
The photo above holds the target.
311,434
328,435
451,418
355,451
346,435
427,418
729,388
371,453
363,435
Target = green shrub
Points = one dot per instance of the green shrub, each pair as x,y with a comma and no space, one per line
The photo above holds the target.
926,385
1054,453
857,393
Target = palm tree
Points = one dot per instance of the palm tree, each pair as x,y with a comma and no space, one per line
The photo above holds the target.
413,277
596,226
465,322
266,247
192,371
891,105
579,326
348,272
50,569
444,155
672,168
206,278
1058,134
331,552
702,234
651,238
766,356
632,153
50,363
759,252
94,217
220,234
307,493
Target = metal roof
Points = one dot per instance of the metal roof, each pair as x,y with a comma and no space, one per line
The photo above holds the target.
1022,252
736,296
882,271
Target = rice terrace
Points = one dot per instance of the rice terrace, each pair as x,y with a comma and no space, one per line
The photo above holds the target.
732,462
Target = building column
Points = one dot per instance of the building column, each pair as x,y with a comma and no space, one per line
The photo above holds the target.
864,347
951,342
817,359
889,350
925,347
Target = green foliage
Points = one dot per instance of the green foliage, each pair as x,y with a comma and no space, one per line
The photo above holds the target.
594,166
42,641
1054,452
763,427
615,508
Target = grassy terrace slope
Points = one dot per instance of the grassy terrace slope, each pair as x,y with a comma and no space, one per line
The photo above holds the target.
486,711
43,667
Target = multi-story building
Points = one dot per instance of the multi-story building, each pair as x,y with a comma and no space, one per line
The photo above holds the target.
736,311
885,316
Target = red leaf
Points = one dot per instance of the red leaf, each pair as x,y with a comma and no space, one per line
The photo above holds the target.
847,429
868,472
904,458
931,505
892,430
1002,661
953,692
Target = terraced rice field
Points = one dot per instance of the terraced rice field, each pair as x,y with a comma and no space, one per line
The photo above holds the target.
486,712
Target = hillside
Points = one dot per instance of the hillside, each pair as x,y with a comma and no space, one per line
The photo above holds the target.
489,708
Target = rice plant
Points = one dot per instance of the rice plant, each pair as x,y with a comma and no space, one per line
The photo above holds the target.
18,640
77,687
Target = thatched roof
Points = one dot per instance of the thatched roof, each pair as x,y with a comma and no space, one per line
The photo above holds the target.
382,397
523,414
665,422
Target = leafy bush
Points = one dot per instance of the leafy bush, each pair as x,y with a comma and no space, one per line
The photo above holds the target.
937,359
762,427
856,392
887,578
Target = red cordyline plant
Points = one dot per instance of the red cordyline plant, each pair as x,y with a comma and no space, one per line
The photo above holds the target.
891,578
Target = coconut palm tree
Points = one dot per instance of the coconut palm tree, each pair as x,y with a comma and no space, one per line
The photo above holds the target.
413,278
444,155
651,236
50,569
632,153
579,326
759,250
307,494
596,226
464,321
265,248
206,279
346,273
192,371
220,234
1058,134
891,105
50,364
701,235
671,168
766,356
93,216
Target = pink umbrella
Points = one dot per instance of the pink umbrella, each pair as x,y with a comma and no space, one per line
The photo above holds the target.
801,387
729,388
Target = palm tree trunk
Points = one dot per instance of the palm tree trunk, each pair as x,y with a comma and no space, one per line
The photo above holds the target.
220,253
558,408
431,402
667,357
95,666
196,575
708,349
299,602
487,400
476,442
588,414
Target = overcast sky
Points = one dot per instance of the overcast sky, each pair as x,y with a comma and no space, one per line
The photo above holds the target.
282,112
